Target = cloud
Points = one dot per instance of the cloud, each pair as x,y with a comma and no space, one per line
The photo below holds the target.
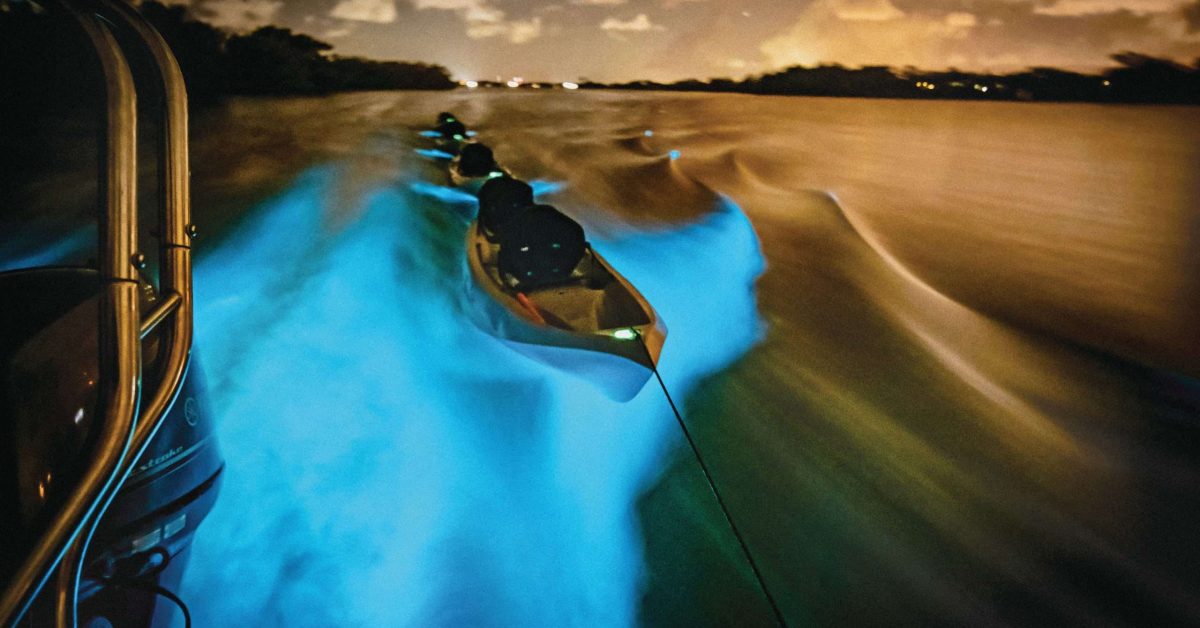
337,33
469,10
859,33
641,23
515,31
598,3
998,35
239,15
961,19
483,20
1093,7
521,31
1191,16
377,11
866,10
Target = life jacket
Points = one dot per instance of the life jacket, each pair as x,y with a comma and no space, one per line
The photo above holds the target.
476,160
500,199
540,246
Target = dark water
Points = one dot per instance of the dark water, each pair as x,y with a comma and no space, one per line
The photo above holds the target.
940,356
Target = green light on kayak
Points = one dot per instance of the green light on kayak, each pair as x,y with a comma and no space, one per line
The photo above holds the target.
458,137
625,334
494,174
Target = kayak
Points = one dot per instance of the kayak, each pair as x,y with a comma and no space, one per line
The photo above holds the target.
594,325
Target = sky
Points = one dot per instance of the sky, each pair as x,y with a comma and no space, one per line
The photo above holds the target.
621,40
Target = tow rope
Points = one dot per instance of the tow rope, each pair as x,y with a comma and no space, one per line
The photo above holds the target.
712,486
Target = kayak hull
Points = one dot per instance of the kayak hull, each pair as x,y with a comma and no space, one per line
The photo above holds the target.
618,355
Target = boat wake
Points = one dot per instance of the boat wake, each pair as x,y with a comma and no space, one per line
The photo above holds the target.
390,464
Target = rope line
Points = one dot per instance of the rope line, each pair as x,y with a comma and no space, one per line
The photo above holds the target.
712,486
150,587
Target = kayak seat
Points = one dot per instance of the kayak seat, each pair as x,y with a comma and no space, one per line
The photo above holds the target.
540,247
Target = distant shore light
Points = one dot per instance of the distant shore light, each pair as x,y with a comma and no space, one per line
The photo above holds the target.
471,84
570,85
513,84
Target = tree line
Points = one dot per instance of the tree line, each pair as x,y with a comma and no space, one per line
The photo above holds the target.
1135,78
39,53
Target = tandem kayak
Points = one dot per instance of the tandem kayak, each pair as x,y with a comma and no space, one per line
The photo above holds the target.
594,325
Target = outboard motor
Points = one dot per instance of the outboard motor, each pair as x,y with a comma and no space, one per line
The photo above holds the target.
540,247
49,416
500,199
108,462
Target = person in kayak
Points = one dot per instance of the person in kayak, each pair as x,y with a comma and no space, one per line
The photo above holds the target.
452,131
500,199
475,160
539,247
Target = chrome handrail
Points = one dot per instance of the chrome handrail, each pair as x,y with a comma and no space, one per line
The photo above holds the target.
175,280
125,435
119,342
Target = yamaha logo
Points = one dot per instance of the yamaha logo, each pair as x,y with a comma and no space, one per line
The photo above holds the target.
191,411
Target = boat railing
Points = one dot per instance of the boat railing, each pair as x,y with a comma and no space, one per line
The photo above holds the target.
131,416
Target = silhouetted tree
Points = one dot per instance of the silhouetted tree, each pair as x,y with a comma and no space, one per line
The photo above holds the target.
273,60
198,47
1141,78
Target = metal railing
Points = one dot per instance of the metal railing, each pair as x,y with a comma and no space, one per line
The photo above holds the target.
125,431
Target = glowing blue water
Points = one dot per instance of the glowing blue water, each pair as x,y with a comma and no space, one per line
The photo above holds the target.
542,187
389,464
433,153
71,248
444,193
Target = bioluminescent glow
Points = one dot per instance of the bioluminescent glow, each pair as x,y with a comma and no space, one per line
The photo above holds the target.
428,133
542,187
434,153
389,464
674,154
444,193
63,251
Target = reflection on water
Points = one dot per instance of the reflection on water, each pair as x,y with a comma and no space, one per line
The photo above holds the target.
973,399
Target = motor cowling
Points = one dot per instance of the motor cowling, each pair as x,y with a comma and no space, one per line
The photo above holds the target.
49,369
